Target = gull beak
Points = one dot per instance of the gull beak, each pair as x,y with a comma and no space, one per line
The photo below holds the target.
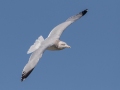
68,46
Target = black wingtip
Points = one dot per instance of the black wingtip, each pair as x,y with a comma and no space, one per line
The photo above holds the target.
84,12
25,75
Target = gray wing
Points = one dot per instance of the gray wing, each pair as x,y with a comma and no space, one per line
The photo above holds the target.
34,59
57,31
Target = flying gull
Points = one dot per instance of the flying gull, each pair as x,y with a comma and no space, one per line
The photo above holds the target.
52,42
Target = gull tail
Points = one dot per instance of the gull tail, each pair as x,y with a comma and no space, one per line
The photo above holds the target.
36,45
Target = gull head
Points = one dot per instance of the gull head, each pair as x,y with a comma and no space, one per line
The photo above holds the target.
63,45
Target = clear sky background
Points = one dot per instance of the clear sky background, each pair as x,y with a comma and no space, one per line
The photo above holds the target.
92,63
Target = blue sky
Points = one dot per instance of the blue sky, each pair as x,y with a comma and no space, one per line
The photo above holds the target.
92,63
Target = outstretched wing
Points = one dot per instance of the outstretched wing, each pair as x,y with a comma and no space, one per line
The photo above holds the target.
36,45
35,57
33,60
57,31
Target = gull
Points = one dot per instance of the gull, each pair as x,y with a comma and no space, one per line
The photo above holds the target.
52,42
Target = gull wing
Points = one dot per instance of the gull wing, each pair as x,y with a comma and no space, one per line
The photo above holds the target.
35,57
36,45
57,31
30,65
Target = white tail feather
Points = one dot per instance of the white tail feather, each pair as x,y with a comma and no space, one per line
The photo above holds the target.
36,45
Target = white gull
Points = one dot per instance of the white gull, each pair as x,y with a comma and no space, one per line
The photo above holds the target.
52,42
